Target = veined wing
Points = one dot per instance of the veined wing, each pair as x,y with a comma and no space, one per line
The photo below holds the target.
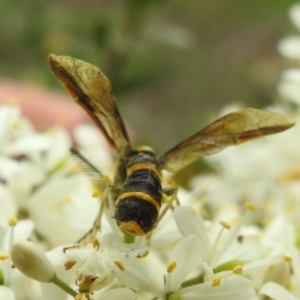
93,173
92,90
232,129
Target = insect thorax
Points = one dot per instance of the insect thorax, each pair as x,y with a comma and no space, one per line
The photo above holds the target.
139,200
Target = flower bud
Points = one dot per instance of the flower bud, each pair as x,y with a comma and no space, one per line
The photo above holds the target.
31,261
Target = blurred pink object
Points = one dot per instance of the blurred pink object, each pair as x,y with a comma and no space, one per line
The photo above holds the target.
43,108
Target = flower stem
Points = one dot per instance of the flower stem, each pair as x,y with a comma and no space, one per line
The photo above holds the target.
196,280
128,239
64,286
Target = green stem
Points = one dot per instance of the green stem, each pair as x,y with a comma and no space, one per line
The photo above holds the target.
196,280
64,286
128,239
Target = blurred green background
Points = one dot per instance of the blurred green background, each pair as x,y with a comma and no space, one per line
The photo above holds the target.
173,64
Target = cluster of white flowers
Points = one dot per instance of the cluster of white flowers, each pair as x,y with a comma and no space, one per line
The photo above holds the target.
235,234
289,47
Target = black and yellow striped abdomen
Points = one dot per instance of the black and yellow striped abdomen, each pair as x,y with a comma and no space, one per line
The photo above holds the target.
139,201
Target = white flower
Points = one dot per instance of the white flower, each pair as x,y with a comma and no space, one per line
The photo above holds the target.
235,246
289,85
31,261
256,172
277,291
289,47
17,136
94,147
6,293
295,15
185,260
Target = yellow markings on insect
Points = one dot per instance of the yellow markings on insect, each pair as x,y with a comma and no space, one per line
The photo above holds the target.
143,165
140,195
131,228
165,198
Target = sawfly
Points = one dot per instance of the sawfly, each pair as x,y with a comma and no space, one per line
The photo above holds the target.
137,190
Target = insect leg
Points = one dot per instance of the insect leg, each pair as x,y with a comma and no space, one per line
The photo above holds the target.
171,196
90,236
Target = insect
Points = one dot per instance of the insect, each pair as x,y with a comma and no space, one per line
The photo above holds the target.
137,184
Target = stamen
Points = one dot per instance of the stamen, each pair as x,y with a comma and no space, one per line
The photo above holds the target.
68,199
12,101
224,225
61,120
250,206
240,239
96,244
119,265
238,270
287,259
171,266
288,212
216,281
73,170
51,131
69,264
263,263
12,221
16,125
4,256
97,194
106,179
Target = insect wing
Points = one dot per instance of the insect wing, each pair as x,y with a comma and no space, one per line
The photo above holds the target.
93,173
232,129
92,90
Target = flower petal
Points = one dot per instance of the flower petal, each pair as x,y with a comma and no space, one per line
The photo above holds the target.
295,15
290,47
231,288
189,223
31,261
136,274
276,292
6,293
187,256
121,293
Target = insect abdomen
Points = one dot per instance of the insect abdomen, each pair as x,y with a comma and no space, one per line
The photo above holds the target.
138,204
